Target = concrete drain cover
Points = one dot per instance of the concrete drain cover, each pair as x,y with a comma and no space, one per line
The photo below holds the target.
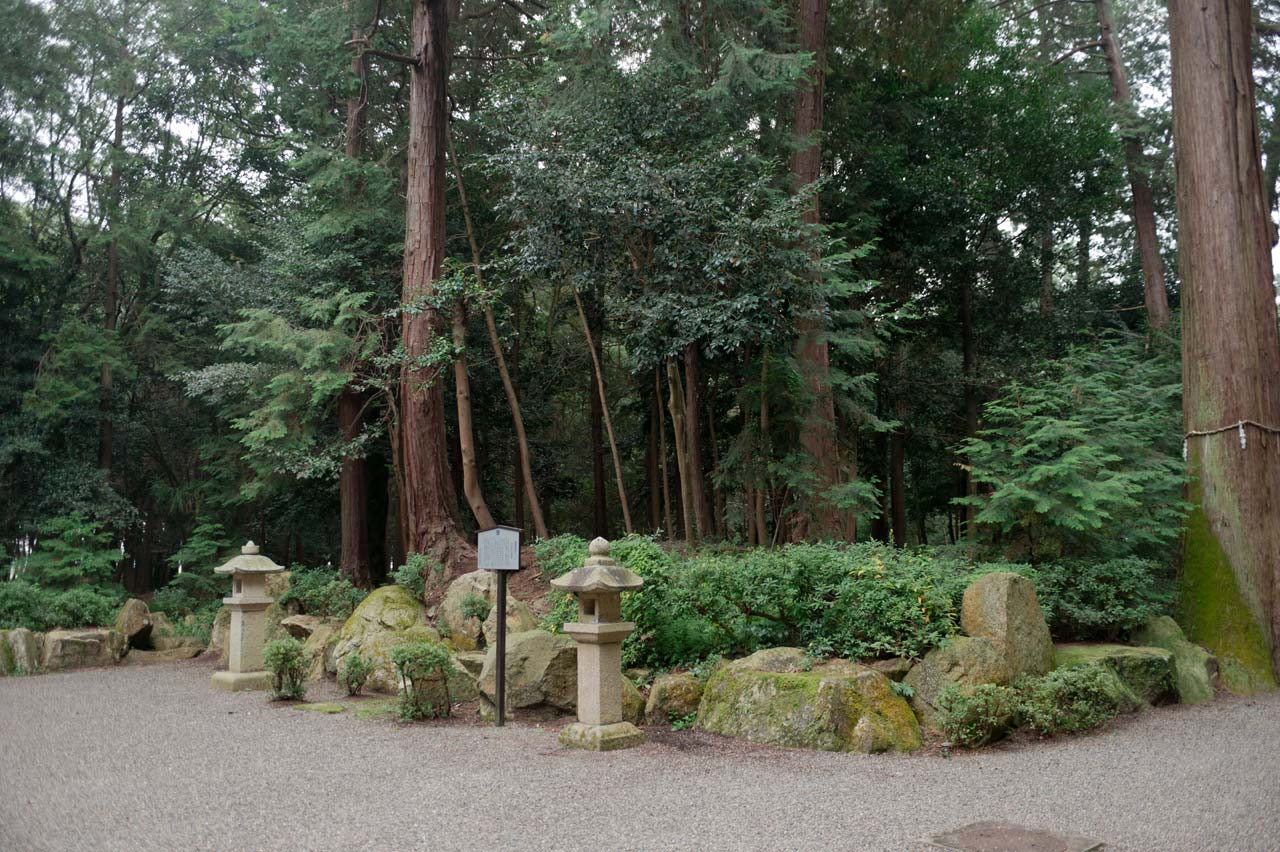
991,836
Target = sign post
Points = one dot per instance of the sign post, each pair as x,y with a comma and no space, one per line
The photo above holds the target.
498,550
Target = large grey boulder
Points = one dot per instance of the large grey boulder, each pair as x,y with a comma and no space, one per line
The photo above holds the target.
1148,672
1195,669
300,626
27,649
1002,607
542,669
319,646
775,696
71,649
388,617
962,661
463,630
672,697
520,618
134,621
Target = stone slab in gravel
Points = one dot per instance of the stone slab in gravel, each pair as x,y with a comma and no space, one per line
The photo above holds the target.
230,772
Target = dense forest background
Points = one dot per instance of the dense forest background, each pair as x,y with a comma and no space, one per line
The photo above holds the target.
727,271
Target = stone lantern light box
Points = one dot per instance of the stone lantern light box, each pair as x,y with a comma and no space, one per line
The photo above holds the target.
248,603
599,632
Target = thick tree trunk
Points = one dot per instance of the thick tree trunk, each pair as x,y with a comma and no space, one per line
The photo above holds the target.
432,519
1144,207
675,404
1230,350
693,440
466,427
818,432
353,494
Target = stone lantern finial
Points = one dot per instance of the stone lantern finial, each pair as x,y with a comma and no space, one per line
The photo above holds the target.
249,548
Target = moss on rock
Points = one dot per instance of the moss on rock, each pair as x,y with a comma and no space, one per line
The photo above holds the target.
839,706
1194,667
673,696
388,617
963,661
1216,615
1148,672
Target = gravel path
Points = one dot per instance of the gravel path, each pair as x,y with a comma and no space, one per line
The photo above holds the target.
142,758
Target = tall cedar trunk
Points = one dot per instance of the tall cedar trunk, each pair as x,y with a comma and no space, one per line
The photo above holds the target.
379,489
524,465
111,294
466,427
693,440
897,477
353,485
651,465
880,525
1144,207
717,493
969,363
1230,351
662,455
431,504
818,432
599,505
762,525
353,493
675,404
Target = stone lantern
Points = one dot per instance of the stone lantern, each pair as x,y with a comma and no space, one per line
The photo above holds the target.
599,632
248,602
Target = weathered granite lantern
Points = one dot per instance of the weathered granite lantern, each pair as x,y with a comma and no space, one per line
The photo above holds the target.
599,632
248,602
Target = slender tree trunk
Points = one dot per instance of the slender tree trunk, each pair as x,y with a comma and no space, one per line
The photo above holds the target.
675,404
969,364
353,494
818,431
432,508
111,295
466,427
662,455
693,439
1144,207
651,464
508,384
379,488
1230,350
608,422
595,434
717,493
762,526
897,477
1046,271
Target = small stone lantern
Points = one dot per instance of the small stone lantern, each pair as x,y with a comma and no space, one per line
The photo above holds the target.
248,602
599,632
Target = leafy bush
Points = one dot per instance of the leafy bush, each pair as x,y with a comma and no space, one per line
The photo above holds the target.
1102,600
85,606
23,604
475,606
285,660
1070,700
413,573
420,666
322,591
355,671
1086,459
72,550
976,716
190,591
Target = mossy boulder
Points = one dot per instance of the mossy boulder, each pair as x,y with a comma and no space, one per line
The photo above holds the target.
6,654
1195,669
27,649
671,697
1148,672
134,621
542,669
220,634
632,703
774,697
388,617
963,661
520,619
319,646
73,649
464,630
1002,607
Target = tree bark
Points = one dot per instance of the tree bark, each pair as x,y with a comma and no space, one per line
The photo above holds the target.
969,364
595,435
693,440
433,523
353,494
818,432
897,477
111,294
662,455
1046,271
1144,207
1230,350
466,427
675,405
608,422
651,464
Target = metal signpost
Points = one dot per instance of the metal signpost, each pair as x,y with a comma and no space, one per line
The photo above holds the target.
498,550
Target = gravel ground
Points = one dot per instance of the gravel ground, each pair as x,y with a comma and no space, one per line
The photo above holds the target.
141,758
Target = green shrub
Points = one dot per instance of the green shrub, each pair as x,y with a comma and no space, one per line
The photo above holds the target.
85,606
422,665
1070,700
474,606
72,550
323,592
355,671
190,591
1102,600
413,574
975,716
24,604
285,660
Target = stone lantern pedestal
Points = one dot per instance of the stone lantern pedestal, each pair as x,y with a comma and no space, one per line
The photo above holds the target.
599,632
248,603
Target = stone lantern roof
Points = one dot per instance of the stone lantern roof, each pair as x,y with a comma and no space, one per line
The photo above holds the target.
599,574
249,562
